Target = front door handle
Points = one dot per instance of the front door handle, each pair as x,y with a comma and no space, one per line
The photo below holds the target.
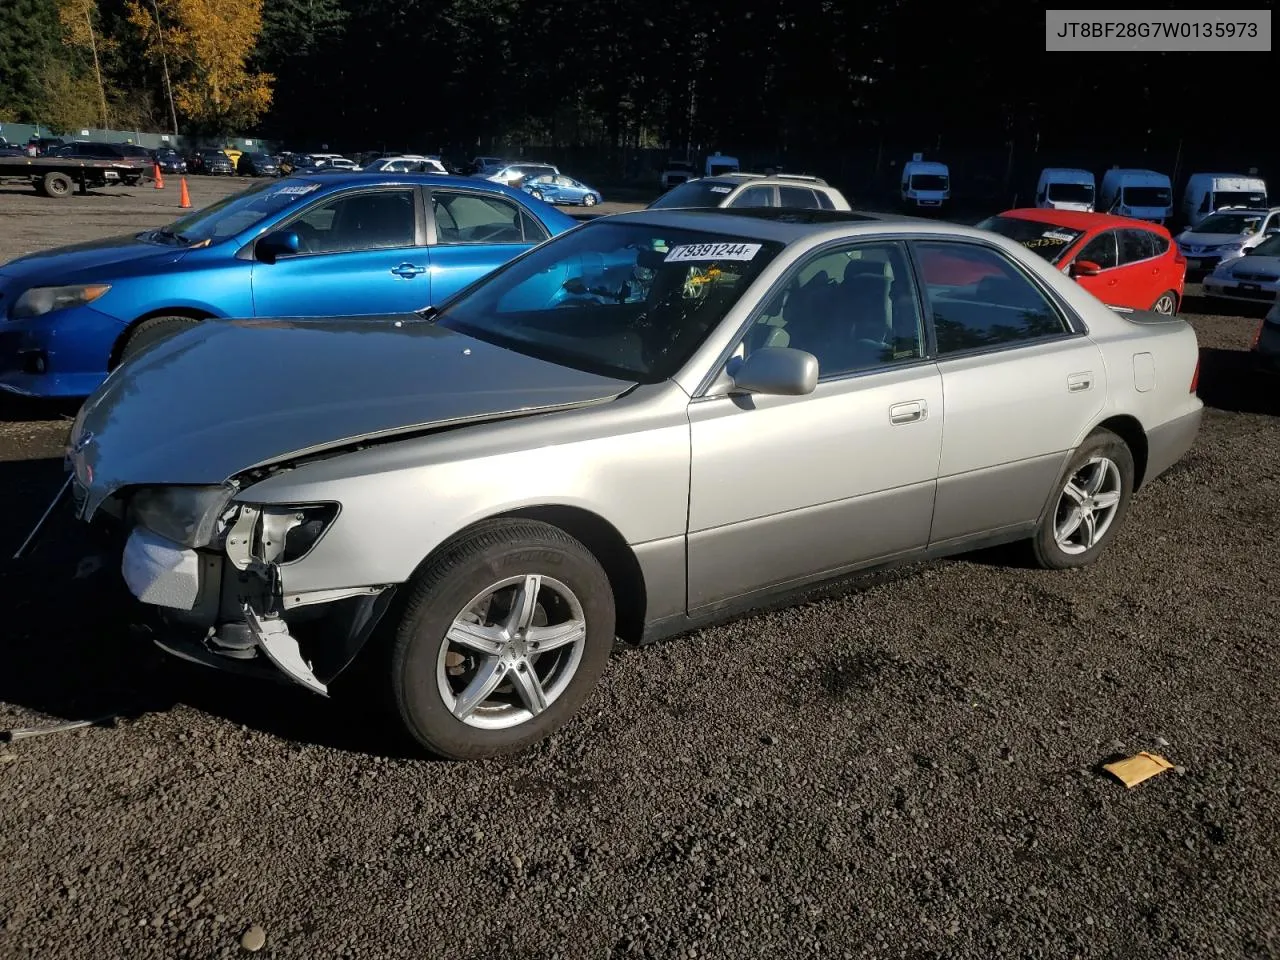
408,270
1079,381
908,412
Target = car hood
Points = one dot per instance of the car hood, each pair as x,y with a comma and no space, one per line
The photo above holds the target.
1195,239
230,395
1253,265
66,263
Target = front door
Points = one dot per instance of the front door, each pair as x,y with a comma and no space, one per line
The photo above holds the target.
1022,387
472,234
359,255
1103,250
787,488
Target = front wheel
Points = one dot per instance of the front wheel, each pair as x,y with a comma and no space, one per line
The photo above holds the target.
57,185
589,200
1166,303
152,331
1090,504
504,636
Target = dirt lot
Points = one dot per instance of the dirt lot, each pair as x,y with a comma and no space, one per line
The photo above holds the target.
906,769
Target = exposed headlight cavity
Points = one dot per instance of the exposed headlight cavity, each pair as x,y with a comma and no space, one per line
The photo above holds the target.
184,514
38,301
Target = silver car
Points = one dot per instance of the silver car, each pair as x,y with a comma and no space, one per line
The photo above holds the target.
650,422
1253,277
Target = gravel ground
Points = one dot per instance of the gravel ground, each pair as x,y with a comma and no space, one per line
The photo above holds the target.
907,768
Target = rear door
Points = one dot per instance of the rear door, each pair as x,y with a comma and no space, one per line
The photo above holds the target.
1143,274
472,233
363,252
1022,383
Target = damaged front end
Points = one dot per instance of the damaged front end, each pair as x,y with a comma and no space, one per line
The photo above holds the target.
217,571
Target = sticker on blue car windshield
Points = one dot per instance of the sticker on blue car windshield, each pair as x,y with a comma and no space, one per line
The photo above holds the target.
712,251
297,191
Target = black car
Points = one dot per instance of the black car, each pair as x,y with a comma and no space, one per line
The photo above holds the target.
214,162
101,150
169,160
257,165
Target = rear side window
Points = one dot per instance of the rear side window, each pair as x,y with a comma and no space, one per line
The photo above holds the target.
470,218
754,197
1135,245
1159,245
798,197
824,200
979,299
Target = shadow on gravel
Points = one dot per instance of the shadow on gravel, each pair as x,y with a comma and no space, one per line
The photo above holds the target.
1198,304
1229,380
16,409
71,647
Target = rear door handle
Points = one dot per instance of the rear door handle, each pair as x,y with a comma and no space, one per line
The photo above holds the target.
408,270
908,412
1079,381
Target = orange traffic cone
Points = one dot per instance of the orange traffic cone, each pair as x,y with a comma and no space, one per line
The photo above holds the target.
159,178
185,200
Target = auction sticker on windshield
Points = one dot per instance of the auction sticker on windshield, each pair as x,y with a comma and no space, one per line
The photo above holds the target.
297,191
1055,235
712,251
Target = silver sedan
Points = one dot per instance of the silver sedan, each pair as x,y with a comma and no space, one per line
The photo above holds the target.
648,423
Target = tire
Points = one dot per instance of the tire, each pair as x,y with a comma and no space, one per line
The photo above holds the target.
152,331
589,200
1107,460
1166,303
494,560
57,185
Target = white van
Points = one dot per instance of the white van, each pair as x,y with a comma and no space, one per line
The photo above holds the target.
1208,193
1063,189
719,164
925,184
1141,194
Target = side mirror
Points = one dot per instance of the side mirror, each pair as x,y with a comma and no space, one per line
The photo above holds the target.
280,243
779,371
1085,268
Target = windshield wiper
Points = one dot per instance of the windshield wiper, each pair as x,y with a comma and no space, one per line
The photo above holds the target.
170,235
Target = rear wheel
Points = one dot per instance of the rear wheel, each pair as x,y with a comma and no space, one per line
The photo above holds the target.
57,185
1090,505
152,331
504,636
1166,303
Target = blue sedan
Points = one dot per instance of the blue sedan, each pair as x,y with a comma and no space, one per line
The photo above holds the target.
557,188
360,244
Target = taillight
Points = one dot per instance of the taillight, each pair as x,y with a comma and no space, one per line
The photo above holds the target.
1195,377
1257,335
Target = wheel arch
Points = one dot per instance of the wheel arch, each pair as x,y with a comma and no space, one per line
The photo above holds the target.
1129,429
193,313
602,540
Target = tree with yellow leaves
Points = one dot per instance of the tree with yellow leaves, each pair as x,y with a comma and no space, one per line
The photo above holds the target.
79,19
209,42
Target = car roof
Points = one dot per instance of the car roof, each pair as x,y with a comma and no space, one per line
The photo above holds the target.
1078,220
779,223
373,178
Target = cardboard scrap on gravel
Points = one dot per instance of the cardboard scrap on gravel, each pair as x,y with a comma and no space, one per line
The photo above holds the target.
1136,769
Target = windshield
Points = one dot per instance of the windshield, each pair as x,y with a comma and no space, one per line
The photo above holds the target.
694,193
1146,196
1239,198
1268,248
1048,240
928,181
1241,223
240,211
1071,192
622,300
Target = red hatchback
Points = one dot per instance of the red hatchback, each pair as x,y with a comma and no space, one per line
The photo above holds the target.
1122,262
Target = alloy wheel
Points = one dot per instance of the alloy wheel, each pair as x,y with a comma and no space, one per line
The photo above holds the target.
1087,506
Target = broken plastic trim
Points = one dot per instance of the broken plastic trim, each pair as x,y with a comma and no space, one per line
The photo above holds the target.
272,637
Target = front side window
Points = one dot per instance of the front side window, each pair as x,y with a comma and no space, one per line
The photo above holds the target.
361,221
1101,250
619,299
754,197
1002,308
854,308
473,218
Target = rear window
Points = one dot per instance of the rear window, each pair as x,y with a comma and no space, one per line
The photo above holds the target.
695,193
1049,240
